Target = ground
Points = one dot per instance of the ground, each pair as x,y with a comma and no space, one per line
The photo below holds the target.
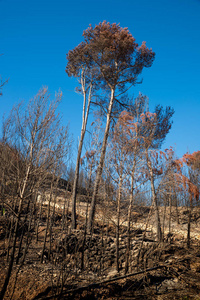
78,268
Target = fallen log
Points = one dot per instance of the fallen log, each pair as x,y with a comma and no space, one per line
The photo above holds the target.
96,284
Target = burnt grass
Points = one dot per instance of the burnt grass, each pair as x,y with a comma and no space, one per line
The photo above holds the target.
80,266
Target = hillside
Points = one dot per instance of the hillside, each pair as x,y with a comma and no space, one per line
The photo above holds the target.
80,266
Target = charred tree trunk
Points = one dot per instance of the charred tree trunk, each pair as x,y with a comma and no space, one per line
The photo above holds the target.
189,224
12,256
100,166
177,214
23,232
118,222
11,262
39,217
154,199
11,225
83,130
65,208
129,218
21,199
170,215
48,221
164,217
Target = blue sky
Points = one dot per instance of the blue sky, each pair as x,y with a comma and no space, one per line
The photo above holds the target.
36,35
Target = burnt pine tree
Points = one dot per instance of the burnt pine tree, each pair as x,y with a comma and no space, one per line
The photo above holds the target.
116,61
148,131
119,60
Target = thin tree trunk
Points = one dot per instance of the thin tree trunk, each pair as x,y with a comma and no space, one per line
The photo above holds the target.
170,215
39,217
47,225
154,198
164,217
86,220
189,225
118,222
52,221
83,130
29,235
22,234
144,235
12,257
129,219
9,238
64,212
177,214
10,232
4,288
100,166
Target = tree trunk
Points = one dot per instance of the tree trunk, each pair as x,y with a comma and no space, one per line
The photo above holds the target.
154,199
11,262
47,225
189,225
164,217
118,222
64,211
22,234
83,130
100,166
39,217
177,214
129,218
12,257
170,215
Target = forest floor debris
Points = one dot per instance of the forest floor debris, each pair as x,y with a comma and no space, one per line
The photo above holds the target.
61,269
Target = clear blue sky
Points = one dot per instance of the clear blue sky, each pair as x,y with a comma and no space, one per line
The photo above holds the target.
36,35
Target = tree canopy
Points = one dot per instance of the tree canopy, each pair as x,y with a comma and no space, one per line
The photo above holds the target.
112,53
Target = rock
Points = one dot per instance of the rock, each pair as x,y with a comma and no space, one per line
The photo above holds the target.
112,273
168,285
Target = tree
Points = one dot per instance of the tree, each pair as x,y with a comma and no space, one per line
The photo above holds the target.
34,141
128,121
188,183
193,160
116,60
149,131
86,80
157,126
119,164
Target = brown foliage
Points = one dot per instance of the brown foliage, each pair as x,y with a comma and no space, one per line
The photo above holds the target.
112,53
192,160
183,180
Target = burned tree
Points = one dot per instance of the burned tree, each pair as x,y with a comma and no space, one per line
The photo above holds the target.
110,53
34,141
118,61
